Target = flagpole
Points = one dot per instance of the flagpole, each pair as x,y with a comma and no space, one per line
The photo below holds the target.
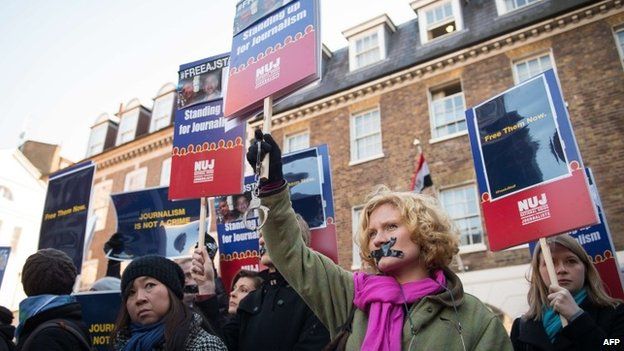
418,148
460,262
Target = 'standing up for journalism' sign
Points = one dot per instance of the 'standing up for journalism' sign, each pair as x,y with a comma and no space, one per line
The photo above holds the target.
275,50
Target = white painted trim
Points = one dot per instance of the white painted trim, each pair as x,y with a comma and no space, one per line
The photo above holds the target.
422,19
531,56
354,225
381,42
140,172
162,172
352,161
448,137
374,22
465,249
291,135
502,10
617,29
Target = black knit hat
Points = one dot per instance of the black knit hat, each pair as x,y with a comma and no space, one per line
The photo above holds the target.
48,271
6,316
158,267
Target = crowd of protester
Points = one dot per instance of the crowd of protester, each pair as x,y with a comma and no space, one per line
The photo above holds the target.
409,300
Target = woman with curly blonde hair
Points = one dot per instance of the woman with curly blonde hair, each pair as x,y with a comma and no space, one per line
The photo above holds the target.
579,297
411,301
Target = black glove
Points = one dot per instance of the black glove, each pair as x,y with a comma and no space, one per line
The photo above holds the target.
210,244
268,146
115,243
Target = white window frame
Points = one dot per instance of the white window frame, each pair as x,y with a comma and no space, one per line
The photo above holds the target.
469,247
97,138
515,63
289,137
162,111
356,261
381,45
354,139
140,174
165,172
432,116
101,199
423,26
618,43
502,8
130,118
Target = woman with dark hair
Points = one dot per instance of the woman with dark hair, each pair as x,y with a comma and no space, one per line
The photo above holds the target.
592,315
244,282
152,314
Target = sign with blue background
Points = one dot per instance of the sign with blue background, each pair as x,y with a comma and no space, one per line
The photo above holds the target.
528,166
66,209
5,251
151,224
99,312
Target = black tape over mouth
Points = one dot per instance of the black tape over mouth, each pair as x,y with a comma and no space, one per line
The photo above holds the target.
386,251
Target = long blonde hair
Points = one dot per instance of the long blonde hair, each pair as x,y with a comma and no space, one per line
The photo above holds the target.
430,227
538,292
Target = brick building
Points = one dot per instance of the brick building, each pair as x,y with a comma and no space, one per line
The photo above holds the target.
397,83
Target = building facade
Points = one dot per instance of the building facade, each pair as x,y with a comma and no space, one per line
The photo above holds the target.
394,84
22,194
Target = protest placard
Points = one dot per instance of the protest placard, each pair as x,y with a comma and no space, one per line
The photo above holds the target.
528,167
65,211
207,159
149,223
275,50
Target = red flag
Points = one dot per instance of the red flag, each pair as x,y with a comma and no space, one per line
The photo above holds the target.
421,177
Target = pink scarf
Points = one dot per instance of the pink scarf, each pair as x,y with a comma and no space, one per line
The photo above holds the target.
381,296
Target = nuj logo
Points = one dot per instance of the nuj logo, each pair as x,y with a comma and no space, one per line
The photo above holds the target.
533,209
268,72
532,202
267,68
204,165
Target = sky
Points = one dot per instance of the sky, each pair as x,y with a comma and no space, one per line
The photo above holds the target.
63,63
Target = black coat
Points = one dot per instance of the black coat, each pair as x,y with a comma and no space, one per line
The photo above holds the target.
586,332
6,337
52,339
274,318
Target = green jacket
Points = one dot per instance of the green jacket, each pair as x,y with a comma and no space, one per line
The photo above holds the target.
328,290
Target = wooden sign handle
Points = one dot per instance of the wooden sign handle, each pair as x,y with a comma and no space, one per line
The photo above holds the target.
266,128
551,270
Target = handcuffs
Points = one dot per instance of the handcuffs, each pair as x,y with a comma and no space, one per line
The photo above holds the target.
255,204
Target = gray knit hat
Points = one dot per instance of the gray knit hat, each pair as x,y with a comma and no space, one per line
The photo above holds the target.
48,271
162,269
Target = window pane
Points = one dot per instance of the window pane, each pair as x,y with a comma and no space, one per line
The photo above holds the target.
448,115
297,142
532,67
460,204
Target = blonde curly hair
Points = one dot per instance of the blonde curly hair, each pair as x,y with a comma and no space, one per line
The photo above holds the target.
430,227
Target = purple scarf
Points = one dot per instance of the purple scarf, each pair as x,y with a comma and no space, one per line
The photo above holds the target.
381,296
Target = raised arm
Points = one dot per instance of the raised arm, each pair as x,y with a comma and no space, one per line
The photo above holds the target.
323,285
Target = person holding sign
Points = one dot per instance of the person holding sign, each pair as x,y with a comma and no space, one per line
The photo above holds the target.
273,316
412,302
152,314
593,316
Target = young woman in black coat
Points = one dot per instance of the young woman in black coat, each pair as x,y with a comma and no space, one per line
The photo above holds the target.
592,315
